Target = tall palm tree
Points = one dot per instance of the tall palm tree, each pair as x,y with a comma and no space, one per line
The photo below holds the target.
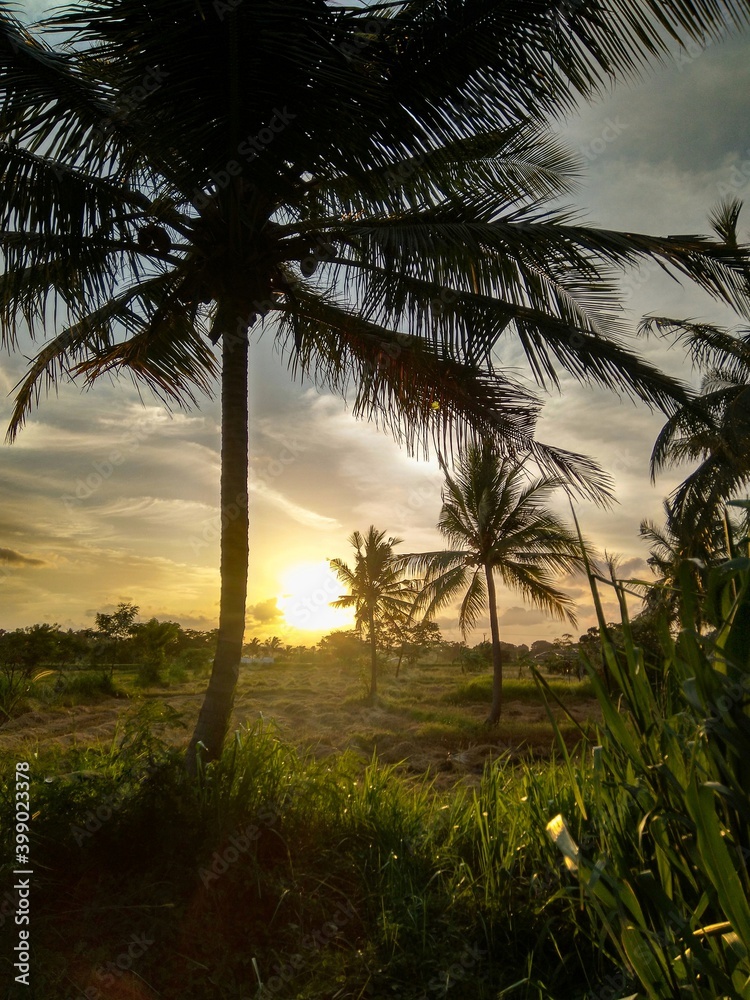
361,179
714,429
378,589
497,518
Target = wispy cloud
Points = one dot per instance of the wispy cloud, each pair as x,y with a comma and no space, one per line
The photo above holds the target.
12,558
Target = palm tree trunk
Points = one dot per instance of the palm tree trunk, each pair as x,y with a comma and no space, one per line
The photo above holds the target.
497,657
216,711
373,660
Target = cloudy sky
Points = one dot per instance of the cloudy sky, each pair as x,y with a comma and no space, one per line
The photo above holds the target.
106,497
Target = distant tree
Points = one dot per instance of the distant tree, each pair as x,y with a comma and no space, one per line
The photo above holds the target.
417,639
22,653
378,590
540,646
273,645
252,648
343,646
500,521
152,642
117,628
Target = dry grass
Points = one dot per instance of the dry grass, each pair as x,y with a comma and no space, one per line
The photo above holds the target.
415,722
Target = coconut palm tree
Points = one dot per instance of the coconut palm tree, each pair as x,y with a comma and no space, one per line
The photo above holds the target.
362,180
713,430
680,547
378,589
498,519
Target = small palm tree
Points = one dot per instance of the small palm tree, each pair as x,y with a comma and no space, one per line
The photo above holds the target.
378,591
681,549
252,648
499,521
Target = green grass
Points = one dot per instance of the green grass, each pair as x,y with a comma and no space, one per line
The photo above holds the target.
422,883
479,690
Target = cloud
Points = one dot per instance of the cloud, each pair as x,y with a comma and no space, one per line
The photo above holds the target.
635,567
12,558
522,616
263,613
298,513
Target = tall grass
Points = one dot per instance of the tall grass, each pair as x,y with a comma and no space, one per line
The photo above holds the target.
668,808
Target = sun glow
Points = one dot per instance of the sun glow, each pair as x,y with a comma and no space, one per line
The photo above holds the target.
307,590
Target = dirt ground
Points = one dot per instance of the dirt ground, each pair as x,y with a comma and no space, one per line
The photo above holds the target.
322,711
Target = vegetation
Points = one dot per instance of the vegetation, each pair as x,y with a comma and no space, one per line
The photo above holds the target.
500,518
378,590
82,663
714,430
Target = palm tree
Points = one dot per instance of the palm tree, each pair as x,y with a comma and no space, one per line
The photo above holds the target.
378,591
683,549
714,429
252,648
163,193
499,521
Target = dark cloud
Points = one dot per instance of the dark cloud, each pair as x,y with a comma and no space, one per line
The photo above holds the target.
263,613
522,616
12,558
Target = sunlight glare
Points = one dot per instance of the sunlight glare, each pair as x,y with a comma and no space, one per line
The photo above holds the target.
307,589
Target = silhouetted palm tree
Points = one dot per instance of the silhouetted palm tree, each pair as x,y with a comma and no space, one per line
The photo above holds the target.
178,171
497,517
378,590
714,429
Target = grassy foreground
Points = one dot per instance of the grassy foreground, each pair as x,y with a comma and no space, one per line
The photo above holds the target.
291,877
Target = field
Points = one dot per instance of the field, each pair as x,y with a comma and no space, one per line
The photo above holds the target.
430,717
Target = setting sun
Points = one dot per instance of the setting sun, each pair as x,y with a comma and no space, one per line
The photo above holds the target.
307,591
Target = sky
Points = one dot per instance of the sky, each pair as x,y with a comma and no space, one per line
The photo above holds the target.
107,497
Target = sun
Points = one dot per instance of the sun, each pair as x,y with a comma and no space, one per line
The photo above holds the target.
307,590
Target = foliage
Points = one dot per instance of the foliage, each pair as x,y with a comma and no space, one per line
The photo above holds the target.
379,591
343,646
498,517
669,809
713,430
152,642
